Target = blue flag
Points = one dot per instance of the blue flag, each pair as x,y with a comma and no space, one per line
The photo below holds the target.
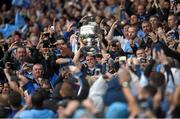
8,30
17,2
21,3
19,20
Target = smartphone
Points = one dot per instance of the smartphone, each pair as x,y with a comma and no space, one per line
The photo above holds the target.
21,44
122,59
12,66
143,60
46,34
52,28
97,72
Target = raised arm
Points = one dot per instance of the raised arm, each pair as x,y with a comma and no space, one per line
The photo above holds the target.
124,78
111,31
77,56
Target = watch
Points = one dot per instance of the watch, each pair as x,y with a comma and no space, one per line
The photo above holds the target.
125,84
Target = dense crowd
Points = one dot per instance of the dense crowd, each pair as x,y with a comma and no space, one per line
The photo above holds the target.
135,73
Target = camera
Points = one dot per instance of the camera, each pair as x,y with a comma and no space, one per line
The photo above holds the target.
97,72
143,60
46,34
46,44
21,44
114,45
12,66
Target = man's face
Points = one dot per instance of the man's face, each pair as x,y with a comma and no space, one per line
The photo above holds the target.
45,50
37,71
5,88
140,53
126,27
132,32
98,59
146,27
133,19
34,41
61,44
170,41
20,53
91,62
153,21
17,38
171,21
140,10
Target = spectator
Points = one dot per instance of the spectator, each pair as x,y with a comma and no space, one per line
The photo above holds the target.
15,100
131,69
37,111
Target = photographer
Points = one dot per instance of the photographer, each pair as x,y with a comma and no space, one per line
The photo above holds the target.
115,49
142,58
172,25
44,54
16,54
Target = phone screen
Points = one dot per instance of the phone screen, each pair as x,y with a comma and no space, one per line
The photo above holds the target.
122,59
97,72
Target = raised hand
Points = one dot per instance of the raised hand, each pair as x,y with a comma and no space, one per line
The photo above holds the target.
162,57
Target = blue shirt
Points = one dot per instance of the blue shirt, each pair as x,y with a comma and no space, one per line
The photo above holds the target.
128,48
37,113
29,87
12,114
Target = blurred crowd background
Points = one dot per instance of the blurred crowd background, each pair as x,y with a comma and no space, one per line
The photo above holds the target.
135,73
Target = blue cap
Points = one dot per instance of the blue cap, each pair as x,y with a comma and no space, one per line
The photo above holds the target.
117,110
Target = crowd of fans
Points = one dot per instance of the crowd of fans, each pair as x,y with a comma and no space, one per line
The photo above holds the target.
134,74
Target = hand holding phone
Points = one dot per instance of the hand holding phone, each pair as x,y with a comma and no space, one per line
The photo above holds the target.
122,59
97,72
52,29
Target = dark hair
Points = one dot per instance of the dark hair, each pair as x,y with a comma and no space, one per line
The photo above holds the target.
17,33
154,16
145,22
140,48
160,25
67,90
15,99
45,94
152,90
99,55
173,15
37,99
157,78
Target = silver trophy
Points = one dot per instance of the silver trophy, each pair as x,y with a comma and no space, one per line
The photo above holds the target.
89,36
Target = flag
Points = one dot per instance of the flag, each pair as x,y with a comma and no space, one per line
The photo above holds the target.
21,3
8,29
19,20
17,2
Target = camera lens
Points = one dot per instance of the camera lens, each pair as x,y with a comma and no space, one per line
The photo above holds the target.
143,60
